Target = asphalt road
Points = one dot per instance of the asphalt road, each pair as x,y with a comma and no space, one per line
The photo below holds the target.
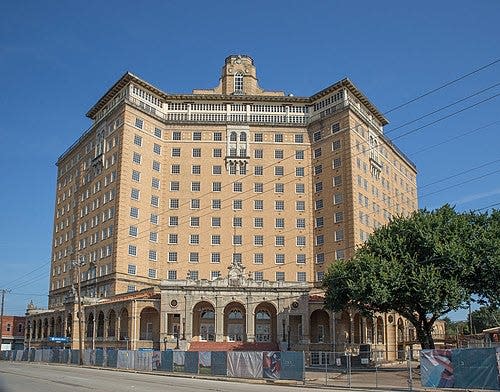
26,377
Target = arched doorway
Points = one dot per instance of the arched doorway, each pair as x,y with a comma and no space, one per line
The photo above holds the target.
204,321
265,322
369,330
235,322
320,326
124,334
380,330
90,325
112,324
100,325
149,324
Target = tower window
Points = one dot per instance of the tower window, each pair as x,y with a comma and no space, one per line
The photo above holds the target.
238,83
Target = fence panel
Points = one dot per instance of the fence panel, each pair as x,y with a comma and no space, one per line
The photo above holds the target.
205,362
191,362
219,363
292,365
244,364
179,360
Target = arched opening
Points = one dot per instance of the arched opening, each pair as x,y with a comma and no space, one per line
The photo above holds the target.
234,322
369,330
124,335
233,137
45,328
90,325
149,324
265,323
39,334
58,330
357,329
380,330
344,328
100,325
52,327
401,330
112,324
320,326
204,321
69,325
243,137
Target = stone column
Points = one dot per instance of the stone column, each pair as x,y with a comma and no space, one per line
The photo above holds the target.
250,319
219,320
133,327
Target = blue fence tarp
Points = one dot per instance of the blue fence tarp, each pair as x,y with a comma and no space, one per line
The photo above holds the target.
167,361
292,365
191,362
219,363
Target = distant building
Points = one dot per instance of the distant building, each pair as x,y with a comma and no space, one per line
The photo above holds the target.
13,331
213,216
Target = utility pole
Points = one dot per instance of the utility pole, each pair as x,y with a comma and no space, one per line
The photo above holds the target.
1,315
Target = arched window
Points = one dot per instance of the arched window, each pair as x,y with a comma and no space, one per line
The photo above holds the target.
235,314
263,315
207,314
238,82
233,137
243,137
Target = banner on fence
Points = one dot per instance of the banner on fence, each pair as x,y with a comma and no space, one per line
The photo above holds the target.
178,358
460,368
271,364
205,362
245,364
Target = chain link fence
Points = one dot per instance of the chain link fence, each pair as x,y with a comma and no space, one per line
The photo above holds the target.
362,370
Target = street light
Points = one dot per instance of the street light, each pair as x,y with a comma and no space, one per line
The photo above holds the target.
165,343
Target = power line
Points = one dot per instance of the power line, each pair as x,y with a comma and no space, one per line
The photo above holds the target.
28,273
441,87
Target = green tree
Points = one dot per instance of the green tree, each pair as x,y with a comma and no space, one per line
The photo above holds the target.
485,317
422,266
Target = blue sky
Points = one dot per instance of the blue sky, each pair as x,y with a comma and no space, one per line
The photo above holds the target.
57,58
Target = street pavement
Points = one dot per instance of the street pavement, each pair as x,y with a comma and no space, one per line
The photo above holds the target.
39,377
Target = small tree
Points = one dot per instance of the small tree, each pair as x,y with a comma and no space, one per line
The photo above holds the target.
422,266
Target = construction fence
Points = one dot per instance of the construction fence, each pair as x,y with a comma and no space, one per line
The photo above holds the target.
270,365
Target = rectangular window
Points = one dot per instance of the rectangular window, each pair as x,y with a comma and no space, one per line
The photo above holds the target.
139,122
319,276
215,221
337,198
300,223
172,257
155,183
279,240
195,186
217,169
194,239
319,221
136,176
279,258
194,221
133,231
193,275
320,258
320,239
300,240
338,217
336,145
217,152
152,273
174,186
132,250
214,275
279,205
301,276
216,204
176,151
237,221
278,138
258,276
153,236
237,239
258,222
318,187
337,162
300,188
335,127
299,172
318,169
196,135
195,204
173,238
258,240
132,269
155,201
158,132
196,169
137,140
299,138
134,194
176,135
339,254
175,169
259,170
280,276
194,257
215,257
173,220
237,187
174,204
216,186
317,152
218,136
153,219
300,205
136,158
237,204
339,235
152,255
279,187
278,154
258,153
156,148
317,136
258,187
258,137
258,258
279,170
215,239
300,258
279,223
196,152
318,204
172,275
134,212
337,181
299,154
258,204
